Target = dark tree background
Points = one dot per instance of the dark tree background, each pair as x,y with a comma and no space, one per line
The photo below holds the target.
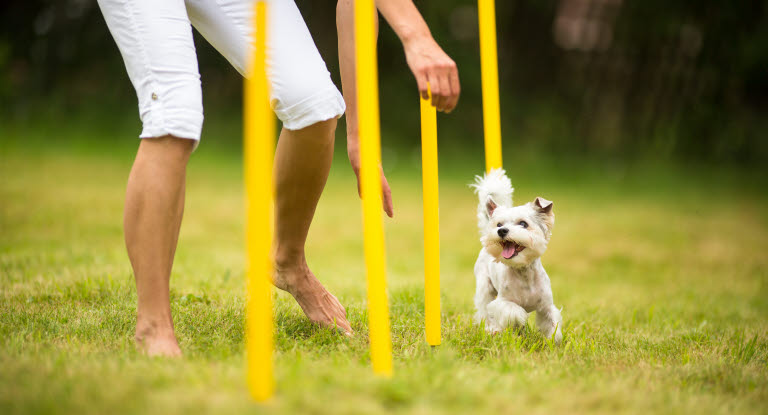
663,78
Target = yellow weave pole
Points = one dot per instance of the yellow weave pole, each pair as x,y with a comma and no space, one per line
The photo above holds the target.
431,221
370,185
489,66
259,133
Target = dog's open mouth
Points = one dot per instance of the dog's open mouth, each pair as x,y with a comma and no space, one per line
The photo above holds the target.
511,249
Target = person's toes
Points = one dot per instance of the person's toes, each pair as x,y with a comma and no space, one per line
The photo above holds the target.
320,306
335,303
340,318
343,324
336,318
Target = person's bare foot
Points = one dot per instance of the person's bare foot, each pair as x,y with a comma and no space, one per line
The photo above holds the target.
319,305
156,342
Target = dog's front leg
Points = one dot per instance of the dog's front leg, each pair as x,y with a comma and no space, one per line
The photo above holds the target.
484,294
502,314
549,322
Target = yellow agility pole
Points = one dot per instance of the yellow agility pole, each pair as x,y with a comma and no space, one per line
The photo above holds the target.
259,133
370,185
489,66
431,221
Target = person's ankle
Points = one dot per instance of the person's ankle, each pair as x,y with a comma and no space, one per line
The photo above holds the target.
291,271
156,338
290,260
153,327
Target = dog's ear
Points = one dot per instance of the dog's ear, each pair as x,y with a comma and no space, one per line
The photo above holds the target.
490,206
543,205
543,208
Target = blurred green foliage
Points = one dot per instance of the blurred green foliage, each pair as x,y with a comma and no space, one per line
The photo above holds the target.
627,78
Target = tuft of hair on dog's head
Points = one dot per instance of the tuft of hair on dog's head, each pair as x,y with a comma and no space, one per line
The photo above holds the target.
517,236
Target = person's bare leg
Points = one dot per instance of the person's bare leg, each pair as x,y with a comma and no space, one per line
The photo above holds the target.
154,205
302,162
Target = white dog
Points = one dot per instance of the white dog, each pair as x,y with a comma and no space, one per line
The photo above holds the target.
511,282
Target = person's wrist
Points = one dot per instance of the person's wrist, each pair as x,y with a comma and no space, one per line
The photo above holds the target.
410,36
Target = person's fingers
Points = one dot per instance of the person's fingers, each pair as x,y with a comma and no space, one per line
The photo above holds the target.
434,88
453,79
386,196
357,176
387,200
445,86
421,81
438,94
386,192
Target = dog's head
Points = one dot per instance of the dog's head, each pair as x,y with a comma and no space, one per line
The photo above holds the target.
516,236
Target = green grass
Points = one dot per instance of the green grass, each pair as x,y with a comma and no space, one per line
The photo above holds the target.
661,271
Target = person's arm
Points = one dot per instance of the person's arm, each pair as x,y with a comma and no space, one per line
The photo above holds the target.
345,26
425,58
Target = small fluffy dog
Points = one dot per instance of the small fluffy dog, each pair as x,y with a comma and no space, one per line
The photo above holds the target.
511,282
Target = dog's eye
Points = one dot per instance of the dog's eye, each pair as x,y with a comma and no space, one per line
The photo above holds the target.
523,223
499,225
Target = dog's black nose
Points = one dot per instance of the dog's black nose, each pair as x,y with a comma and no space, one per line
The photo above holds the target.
503,232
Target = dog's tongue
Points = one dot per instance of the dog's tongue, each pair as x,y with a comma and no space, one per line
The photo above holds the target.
509,250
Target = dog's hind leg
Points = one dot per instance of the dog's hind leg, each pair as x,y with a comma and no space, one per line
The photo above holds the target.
502,314
549,322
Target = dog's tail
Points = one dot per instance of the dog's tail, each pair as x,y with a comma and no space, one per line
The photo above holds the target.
494,186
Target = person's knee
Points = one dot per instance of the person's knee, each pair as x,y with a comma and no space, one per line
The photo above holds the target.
169,148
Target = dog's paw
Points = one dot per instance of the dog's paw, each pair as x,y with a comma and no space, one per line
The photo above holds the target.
557,337
480,318
505,313
492,329
552,331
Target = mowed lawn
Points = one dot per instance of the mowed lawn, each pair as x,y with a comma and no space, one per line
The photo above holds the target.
661,271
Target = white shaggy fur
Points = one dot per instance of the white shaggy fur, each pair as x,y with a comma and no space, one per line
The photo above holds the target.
511,282
495,184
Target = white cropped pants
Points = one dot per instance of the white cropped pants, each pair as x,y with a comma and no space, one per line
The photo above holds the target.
155,40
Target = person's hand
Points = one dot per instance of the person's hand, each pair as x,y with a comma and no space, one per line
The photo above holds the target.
430,65
386,193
